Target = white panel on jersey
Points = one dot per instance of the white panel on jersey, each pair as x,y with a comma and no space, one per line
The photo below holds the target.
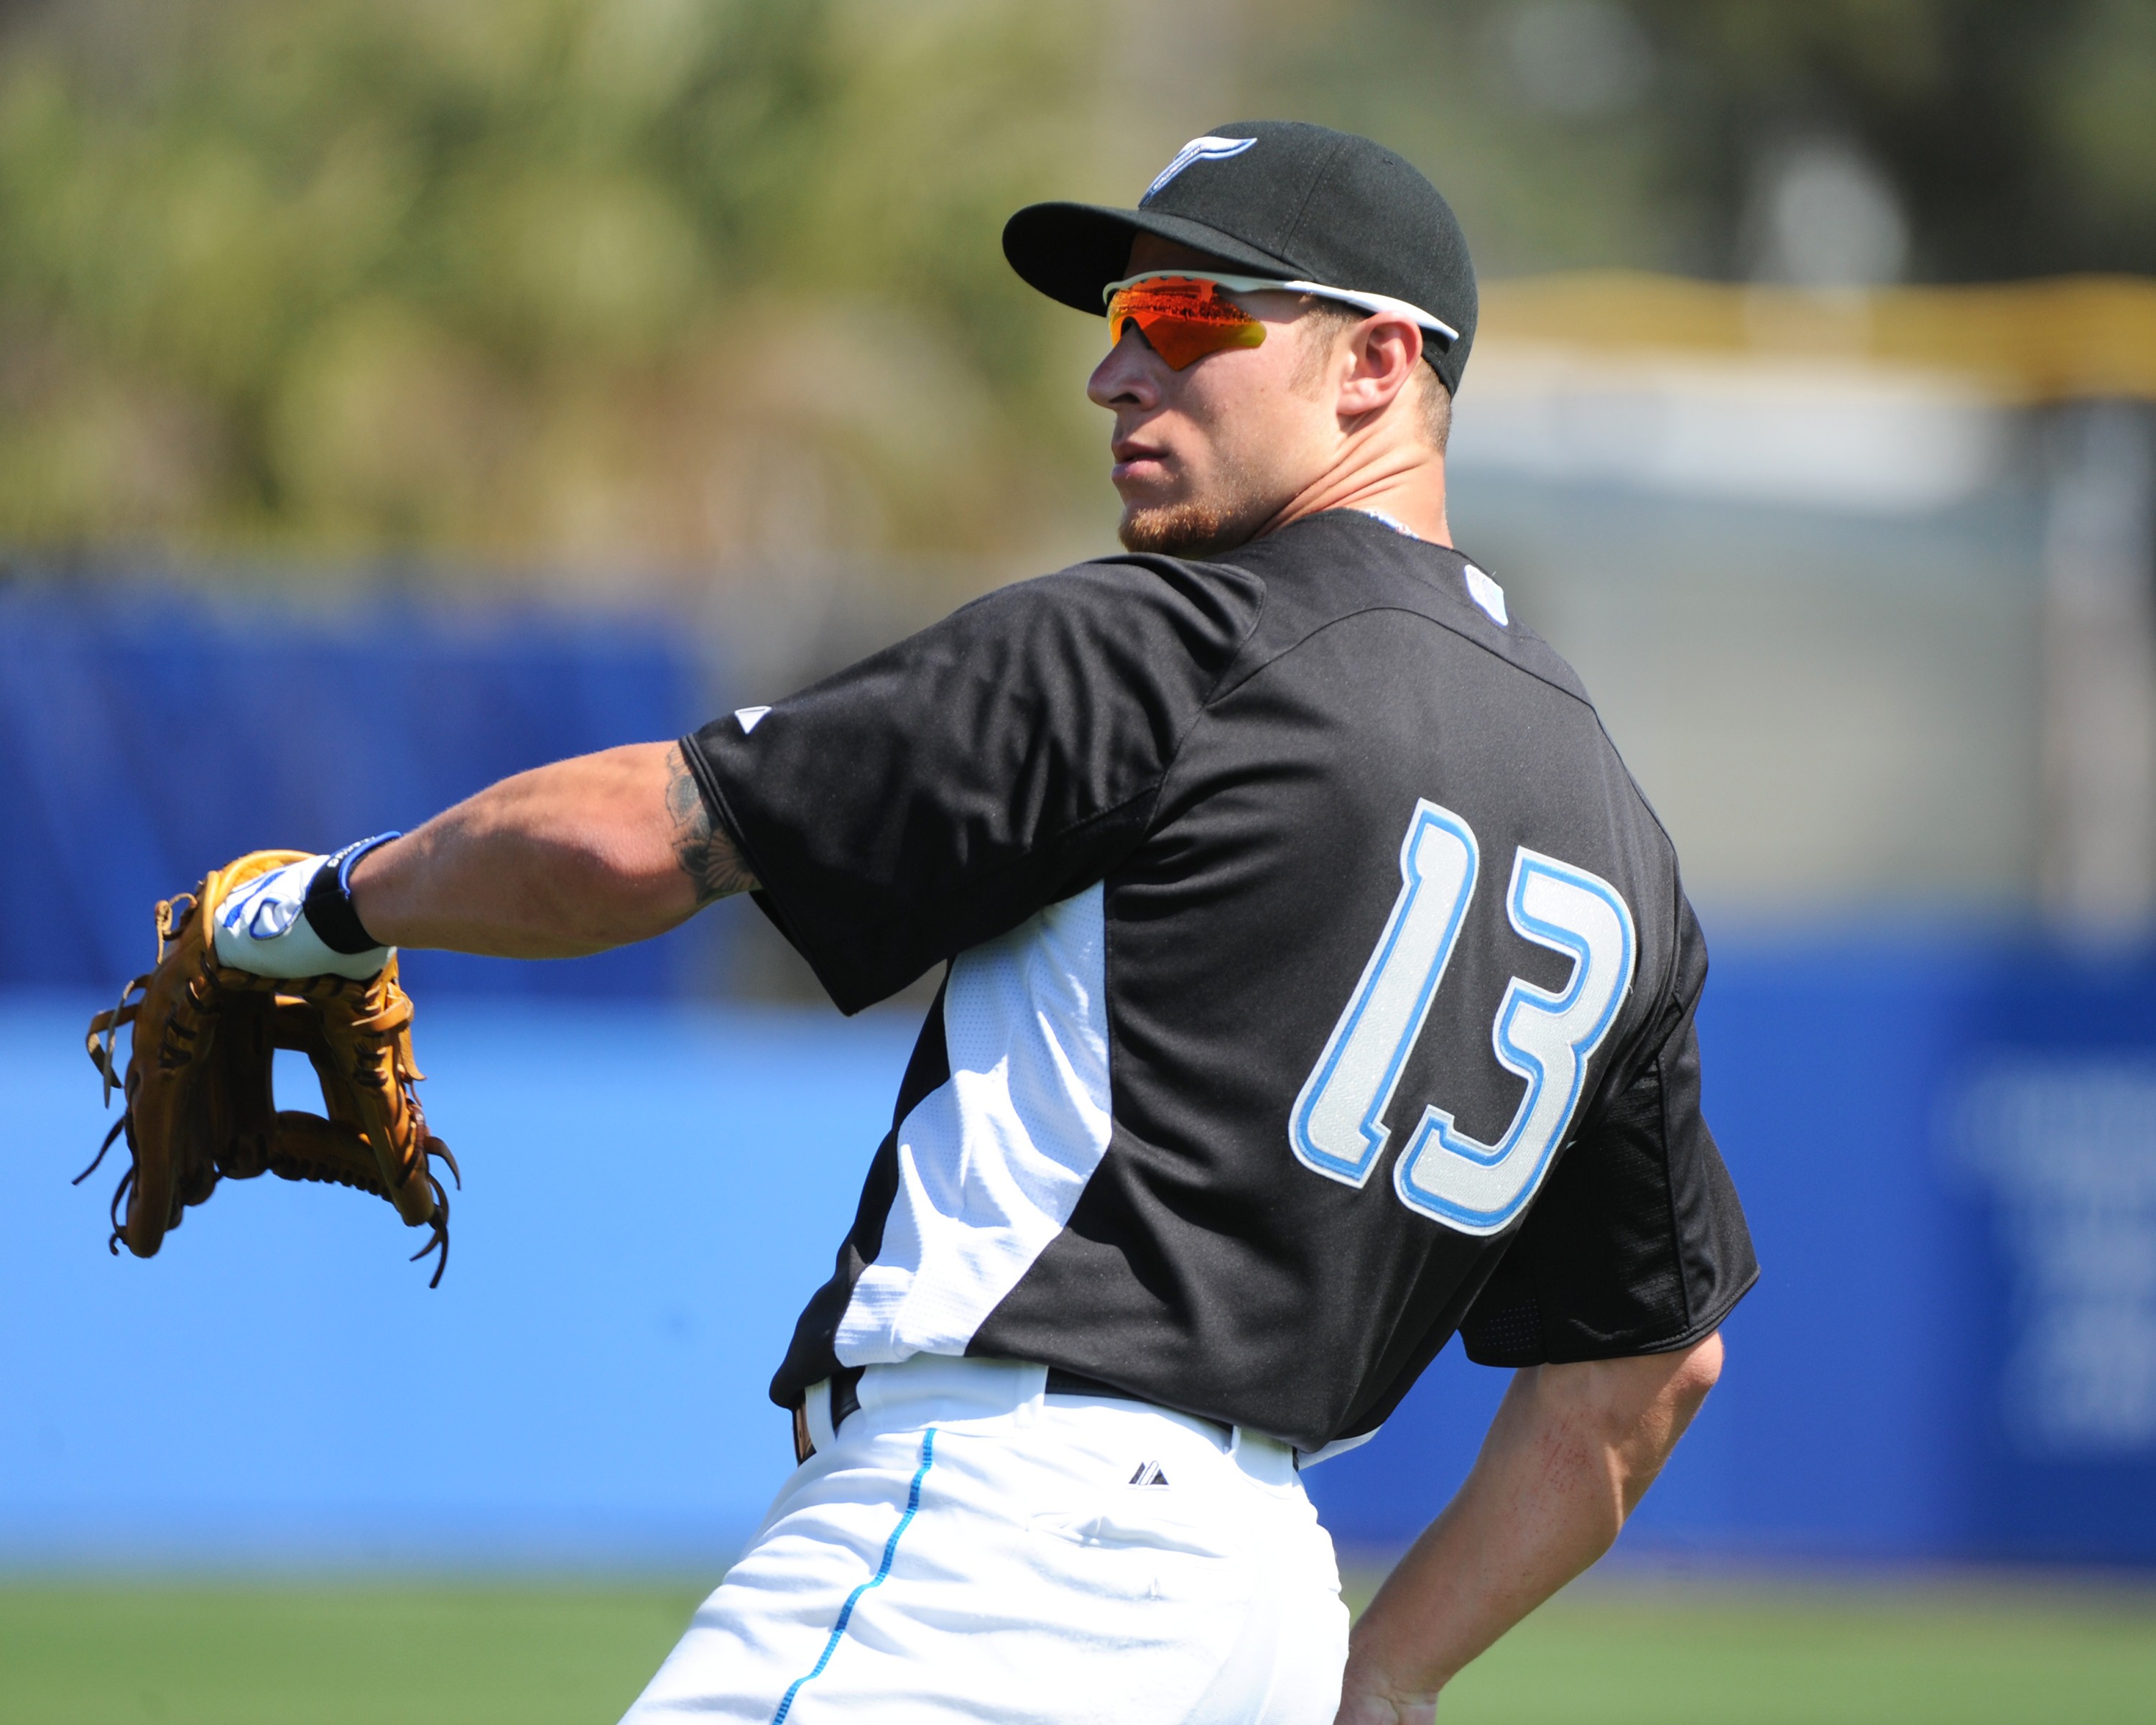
990,1163
1338,1446
748,718
1486,593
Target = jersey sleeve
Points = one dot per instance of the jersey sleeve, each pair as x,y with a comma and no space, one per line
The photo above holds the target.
939,792
1637,1243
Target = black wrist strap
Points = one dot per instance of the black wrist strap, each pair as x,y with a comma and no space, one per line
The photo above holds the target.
328,904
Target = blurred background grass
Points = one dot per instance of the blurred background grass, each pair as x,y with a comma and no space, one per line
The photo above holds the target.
342,1652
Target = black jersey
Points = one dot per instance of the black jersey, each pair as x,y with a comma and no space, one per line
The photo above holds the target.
1320,984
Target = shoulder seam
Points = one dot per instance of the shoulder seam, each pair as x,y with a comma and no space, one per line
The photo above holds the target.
1153,787
1452,630
1212,694
1151,790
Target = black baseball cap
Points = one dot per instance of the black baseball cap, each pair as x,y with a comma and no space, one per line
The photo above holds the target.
1323,210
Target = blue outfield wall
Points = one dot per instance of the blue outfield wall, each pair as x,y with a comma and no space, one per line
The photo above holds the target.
1948,1154
147,736
1946,1143
648,1189
1947,1147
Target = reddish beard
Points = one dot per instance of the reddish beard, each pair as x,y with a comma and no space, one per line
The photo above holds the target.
1191,528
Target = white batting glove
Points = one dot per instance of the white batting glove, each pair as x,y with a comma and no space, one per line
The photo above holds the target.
263,926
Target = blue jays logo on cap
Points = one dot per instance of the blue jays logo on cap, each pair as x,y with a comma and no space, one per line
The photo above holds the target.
1205,149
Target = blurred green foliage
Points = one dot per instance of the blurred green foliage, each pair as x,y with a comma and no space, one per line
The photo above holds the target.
656,278
2017,136
694,281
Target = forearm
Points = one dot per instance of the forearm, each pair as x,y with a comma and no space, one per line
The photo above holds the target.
563,860
1571,1452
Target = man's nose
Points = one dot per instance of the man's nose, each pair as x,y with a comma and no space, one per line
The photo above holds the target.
1129,376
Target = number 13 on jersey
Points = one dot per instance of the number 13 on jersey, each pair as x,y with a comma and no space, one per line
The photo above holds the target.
1338,1126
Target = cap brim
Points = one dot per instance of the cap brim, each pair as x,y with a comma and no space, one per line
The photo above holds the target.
1070,252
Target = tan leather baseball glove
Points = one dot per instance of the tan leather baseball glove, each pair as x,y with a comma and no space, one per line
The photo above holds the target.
199,1105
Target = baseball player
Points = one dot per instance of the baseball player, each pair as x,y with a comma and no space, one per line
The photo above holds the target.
1316,984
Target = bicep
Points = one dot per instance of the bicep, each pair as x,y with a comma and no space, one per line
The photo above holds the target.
568,859
705,853
1632,1391
1615,1419
649,831
643,830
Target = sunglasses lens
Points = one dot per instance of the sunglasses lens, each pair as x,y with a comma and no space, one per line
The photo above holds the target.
1183,319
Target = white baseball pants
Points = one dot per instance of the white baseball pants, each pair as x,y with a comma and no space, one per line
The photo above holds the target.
968,1548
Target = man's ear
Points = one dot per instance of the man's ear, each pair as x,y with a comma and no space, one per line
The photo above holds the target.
1383,352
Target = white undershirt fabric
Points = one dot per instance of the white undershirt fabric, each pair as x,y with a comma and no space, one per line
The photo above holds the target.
1480,588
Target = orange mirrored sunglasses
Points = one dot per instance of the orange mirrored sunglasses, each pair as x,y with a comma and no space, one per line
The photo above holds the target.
1185,317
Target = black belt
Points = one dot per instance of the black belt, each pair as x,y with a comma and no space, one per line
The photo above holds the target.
845,1398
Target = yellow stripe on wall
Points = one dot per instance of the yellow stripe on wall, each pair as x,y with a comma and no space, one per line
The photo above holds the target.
2029,342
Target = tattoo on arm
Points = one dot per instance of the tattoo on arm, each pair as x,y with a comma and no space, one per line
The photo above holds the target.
707,856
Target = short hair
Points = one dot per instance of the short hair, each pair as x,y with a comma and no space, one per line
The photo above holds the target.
1321,324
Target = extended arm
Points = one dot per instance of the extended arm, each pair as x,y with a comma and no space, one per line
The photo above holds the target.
1572,1451
563,860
